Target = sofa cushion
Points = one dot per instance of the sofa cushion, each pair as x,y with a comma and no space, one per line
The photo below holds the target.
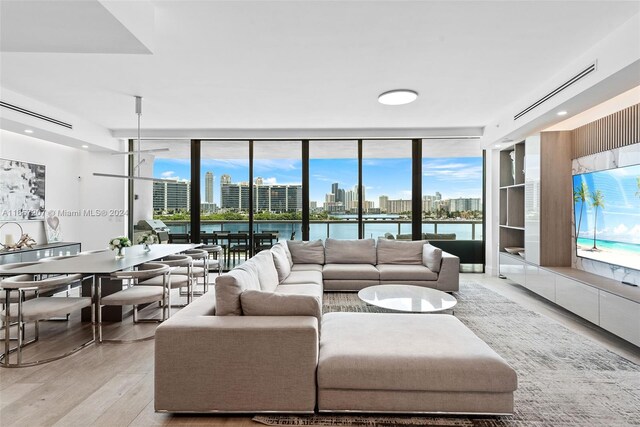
302,289
400,252
229,287
280,260
297,277
259,303
350,272
405,272
369,351
287,251
432,257
306,252
265,269
306,267
362,251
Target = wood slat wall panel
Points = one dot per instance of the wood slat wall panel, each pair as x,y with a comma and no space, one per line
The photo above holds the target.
614,131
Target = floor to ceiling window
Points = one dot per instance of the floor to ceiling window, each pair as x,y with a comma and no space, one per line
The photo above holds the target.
169,198
277,171
452,206
386,177
333,189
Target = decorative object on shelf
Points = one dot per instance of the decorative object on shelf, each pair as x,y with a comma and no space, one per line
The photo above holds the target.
22,193
146,240
52,228
118,244
24,240
512,155
514,250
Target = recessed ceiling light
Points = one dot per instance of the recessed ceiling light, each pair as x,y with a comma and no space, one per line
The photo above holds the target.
398,97
28,131
562,113
85,146
497,145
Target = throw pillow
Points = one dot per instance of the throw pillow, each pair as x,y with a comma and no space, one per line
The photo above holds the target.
306,252
281,261
432,257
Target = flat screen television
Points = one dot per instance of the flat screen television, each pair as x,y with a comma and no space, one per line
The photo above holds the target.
607,215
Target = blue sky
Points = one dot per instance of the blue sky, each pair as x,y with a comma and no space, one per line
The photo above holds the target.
620,219
453,177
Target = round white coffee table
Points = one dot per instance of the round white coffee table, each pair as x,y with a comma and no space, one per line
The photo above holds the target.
408,298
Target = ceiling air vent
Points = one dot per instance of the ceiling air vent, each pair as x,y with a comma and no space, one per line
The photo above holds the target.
582,74
34,114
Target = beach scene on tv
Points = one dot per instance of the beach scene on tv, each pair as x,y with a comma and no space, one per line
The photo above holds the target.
607,215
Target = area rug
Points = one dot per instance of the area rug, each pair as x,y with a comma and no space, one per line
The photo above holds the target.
564,379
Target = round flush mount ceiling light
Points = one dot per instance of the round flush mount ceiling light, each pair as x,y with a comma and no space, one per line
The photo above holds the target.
85,146
28,131
562,113
398,97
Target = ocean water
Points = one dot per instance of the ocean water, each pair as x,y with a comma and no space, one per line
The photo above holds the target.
631,248
346,230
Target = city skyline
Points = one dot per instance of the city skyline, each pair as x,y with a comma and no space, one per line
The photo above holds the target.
453,177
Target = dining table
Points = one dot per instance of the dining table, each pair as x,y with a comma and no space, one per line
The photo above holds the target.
103,264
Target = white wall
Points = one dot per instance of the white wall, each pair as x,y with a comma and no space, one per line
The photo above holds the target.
71,188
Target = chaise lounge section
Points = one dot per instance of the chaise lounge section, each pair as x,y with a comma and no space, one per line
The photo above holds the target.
260,342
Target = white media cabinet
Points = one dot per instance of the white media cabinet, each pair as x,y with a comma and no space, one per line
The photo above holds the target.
607,303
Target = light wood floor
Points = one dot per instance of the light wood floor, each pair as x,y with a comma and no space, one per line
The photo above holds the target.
112,384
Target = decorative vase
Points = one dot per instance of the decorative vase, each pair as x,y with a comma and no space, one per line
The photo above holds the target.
120,253
146,247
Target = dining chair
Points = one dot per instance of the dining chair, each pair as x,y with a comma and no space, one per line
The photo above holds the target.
6,271
179,238
199,269
263,240
40,308
177,280
136,294
238,244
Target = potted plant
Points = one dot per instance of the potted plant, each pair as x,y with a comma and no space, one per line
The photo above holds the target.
146,240
118,244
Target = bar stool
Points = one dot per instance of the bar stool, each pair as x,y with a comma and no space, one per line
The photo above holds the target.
199,269
137,294
177,280
40,308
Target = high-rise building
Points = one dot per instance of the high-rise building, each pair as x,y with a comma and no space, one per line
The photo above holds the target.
383,202
209,180
462,204
270,198
399,206
171,196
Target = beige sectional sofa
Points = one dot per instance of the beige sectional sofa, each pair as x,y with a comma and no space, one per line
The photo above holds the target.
260,342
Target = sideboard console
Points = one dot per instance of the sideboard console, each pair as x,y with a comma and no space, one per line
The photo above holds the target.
39,252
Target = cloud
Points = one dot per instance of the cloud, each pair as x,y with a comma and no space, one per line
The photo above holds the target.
168,174
454,171
270,181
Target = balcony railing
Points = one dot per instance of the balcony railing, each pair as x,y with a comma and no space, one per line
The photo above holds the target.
342,229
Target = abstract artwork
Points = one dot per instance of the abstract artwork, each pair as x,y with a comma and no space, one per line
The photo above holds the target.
22,192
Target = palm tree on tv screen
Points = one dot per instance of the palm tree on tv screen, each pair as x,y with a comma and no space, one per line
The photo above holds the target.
638,183
597,201
580,194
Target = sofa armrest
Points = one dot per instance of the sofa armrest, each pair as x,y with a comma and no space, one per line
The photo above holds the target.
449,275
236,364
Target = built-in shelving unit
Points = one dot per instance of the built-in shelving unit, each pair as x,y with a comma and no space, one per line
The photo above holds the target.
512,177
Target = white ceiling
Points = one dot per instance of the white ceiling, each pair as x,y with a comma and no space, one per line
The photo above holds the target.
314,64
